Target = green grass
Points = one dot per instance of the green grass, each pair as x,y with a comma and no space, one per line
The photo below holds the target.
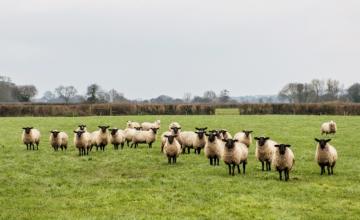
227,111
139,184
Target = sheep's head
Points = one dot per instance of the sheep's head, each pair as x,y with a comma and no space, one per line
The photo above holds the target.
175,129
82,127
138,128
261,140
217,134
212,135
222,131
282,148
322,142
79,133
113,131
27,129
154,130
103,128
230,143
55,133
170,138
200,133
247,133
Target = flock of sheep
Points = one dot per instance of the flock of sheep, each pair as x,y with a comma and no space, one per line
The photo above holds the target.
217,144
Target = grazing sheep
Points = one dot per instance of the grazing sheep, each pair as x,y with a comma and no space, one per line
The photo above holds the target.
195,140
283,159
264,151
117,137
58,139
328,128
30,137
144,137
82,141
82,127
100,138
133,124
235,153
213,148
224,134
173,131
129,134
325,156
145,126
172,148
244,137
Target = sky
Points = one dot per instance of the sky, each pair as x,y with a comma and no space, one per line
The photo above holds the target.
148,48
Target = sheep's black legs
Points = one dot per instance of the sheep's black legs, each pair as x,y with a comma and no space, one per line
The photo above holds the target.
122,145
262,166
268,165
174,159
322,170
233,169
211,161
150,145
328,169
238,167
229,169
280,174
286,171
169,160
244,167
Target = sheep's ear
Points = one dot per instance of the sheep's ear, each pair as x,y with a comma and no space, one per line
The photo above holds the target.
277,145
250,131
224,140
207,134
196,128
328,140
107,126
179,128
31,127
317,140
166,136
205,128
75,131
266,138
235,140
287,145
256,138
51,131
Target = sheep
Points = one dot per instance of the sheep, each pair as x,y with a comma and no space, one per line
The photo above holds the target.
82,141
328,128
172,148
325,156
145,126
195,140
142,137
58,139
283,159
235,153
264,151
133,124
100,138
224,134
30,137
173,131
129,134
173,125
117,137
244,137
82,127
213,148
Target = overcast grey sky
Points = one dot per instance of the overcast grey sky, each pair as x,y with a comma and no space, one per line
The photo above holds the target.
147,48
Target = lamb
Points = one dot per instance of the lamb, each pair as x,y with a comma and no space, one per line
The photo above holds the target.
195,140
117,137
283,159
58,139
82,141
145,126
133,124
235,153
224,134
325,156
100,138
213,148
328,128
173,131
129,134
142,137
264,151
172,148
30,137
244,137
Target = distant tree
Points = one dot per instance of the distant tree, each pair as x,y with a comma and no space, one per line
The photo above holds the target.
25,93
92,92
162,99
354,92
7,90
48,96
66,92
318,88
209,96
116,96
224,96
332,90
187,97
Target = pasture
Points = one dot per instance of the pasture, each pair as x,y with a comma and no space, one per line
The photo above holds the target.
139,184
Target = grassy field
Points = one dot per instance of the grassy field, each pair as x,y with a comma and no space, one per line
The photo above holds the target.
139,184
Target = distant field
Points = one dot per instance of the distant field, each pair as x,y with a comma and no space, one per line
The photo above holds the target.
139,184
227,111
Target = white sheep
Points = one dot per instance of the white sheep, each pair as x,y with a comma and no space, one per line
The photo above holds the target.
58,139
195,140
283,160
235,153
82,141
129,134
325,156
145,126
117,137
142,137
264,151
244,137
172,148
213,148
133,124
31,136
328,128
224,134
100,138
173,131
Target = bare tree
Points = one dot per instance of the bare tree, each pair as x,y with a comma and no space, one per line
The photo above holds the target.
318,87
187,97
66,92
116,96
209,95
224,96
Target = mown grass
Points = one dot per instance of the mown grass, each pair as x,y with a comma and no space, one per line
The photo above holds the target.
139,184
